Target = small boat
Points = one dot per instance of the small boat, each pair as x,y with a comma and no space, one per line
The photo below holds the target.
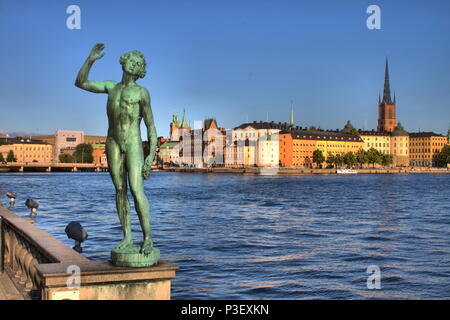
346,171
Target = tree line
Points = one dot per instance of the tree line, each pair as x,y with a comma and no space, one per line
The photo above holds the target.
82,154
350,159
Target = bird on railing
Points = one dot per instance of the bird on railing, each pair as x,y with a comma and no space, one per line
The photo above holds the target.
12,198
75,231
33,205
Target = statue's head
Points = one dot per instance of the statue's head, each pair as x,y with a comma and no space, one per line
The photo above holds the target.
134,63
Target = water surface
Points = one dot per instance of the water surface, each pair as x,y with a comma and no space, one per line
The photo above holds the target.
238,236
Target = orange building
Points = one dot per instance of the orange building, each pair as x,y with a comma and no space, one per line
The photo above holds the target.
98,154
424,147
297,146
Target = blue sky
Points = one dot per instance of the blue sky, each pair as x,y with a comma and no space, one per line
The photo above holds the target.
231,60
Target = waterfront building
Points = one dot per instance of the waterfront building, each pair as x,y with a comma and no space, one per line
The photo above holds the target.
254,144
267,152
99,154
390,138
213,143
177,129
387,119
297,146
66,139
169,152
380,141
28,151
424,148
400,146
203,146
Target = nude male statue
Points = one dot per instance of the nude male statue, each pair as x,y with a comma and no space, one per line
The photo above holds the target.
127,104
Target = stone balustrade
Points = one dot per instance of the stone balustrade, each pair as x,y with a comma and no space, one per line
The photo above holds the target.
39,264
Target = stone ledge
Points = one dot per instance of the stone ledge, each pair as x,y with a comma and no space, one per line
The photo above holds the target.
104,272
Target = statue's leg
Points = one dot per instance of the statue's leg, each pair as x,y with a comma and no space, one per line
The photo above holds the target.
116,163
135,162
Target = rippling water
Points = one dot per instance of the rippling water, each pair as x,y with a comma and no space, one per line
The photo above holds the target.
268,237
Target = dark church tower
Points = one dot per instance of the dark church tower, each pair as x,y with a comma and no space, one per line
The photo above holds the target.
387,120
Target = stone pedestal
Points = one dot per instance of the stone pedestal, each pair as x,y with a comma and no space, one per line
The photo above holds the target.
131,257
100,280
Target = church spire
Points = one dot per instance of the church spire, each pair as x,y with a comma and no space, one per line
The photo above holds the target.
291,119
183,121
387,88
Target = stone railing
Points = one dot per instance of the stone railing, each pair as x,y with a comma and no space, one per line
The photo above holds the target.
38,264
25,246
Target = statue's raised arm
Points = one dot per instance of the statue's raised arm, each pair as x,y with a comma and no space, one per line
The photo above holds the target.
82,78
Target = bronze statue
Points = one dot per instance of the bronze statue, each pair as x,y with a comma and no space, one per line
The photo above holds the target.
127,104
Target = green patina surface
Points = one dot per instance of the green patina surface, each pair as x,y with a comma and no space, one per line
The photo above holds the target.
127,104
132,257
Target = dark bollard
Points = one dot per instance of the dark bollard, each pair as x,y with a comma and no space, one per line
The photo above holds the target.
75,231
12,198
33,205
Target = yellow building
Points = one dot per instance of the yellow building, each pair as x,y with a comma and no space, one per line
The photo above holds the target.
28,151
395,143
381,141
400,146
424,147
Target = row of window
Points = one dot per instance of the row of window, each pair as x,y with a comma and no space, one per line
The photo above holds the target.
378,145
45,148
425,150
428,144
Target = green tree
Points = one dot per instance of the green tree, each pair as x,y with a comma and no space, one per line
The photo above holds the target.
330,160
387,160
83,153
312,128
338,160
318,158
443,157
10,157
66,158
374,156
2,159
349,159
361,157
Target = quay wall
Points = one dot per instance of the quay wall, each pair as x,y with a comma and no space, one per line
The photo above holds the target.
283,170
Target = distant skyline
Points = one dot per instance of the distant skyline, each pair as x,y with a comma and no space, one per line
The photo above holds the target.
235,61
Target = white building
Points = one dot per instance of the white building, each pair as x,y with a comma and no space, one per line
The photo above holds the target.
66,139
253,144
